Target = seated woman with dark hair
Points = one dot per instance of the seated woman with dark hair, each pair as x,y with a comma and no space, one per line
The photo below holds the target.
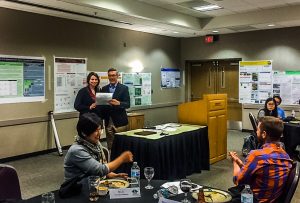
86,157
270,109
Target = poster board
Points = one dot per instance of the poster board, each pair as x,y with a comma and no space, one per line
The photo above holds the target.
139,86
69,78
287,85
103,76
255,81
22,79
170,77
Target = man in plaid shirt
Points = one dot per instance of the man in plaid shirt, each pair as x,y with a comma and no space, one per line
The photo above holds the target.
266,170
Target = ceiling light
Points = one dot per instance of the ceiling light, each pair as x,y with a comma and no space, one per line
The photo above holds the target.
215,31
207,7
271,25
175,32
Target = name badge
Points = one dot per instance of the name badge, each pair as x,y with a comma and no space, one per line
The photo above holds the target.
164,200
124,193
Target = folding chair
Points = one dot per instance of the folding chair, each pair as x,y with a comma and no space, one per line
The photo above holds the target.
253,122
107,154
9,183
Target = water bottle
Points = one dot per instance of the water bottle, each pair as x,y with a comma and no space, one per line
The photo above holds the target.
135,172
293,113
247,195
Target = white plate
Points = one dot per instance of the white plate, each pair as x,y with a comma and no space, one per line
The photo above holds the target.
114,183
214,195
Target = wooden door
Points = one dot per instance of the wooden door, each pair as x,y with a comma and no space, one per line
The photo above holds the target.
203,79
228,77
214,77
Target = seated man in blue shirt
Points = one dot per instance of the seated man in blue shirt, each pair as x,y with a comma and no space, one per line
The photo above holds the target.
280,111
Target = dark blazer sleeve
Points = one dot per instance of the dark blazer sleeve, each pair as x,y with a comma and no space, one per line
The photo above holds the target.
83,101
125,98
121,94
118,113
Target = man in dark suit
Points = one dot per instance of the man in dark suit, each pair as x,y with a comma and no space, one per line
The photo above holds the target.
115,115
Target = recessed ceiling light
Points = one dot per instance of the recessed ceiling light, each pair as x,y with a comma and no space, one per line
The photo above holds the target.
215,31
207,7
271,25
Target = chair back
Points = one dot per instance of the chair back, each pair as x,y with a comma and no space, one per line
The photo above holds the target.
291,184
9,183
253,122
107,154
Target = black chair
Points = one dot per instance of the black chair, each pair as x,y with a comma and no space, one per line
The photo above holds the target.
9,183
253,122
291,184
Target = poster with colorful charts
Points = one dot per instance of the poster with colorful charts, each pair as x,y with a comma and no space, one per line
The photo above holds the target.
139,86
22,79
255,81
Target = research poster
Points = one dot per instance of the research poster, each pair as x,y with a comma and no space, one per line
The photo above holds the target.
170,78
139,85
287,86
69,78
22,79
255,81
103,76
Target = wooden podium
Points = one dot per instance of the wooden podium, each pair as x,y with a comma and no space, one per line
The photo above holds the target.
212,112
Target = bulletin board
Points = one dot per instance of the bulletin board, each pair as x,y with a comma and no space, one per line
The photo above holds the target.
69,78
170,77
22,79
139,86
257,82
287,85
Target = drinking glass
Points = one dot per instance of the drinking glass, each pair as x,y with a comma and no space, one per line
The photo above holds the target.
185,186
93,182
48,197
149,173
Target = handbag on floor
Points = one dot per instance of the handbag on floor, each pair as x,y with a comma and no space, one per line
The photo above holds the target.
70,187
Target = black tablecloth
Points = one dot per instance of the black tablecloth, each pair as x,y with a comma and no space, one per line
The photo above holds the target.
291,137
173,157
146,196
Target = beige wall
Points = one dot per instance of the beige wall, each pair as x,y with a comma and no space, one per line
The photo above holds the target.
28,34
280,45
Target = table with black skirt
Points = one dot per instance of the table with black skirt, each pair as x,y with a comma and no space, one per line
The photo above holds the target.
173,156
146,196
291,138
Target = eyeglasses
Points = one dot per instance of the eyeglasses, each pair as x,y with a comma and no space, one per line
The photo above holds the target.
112,75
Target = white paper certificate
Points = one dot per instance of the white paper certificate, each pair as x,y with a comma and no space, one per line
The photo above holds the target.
103,98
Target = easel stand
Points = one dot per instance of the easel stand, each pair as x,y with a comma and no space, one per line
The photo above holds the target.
56,138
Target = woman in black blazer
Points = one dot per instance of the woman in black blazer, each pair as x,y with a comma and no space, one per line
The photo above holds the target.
86,97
